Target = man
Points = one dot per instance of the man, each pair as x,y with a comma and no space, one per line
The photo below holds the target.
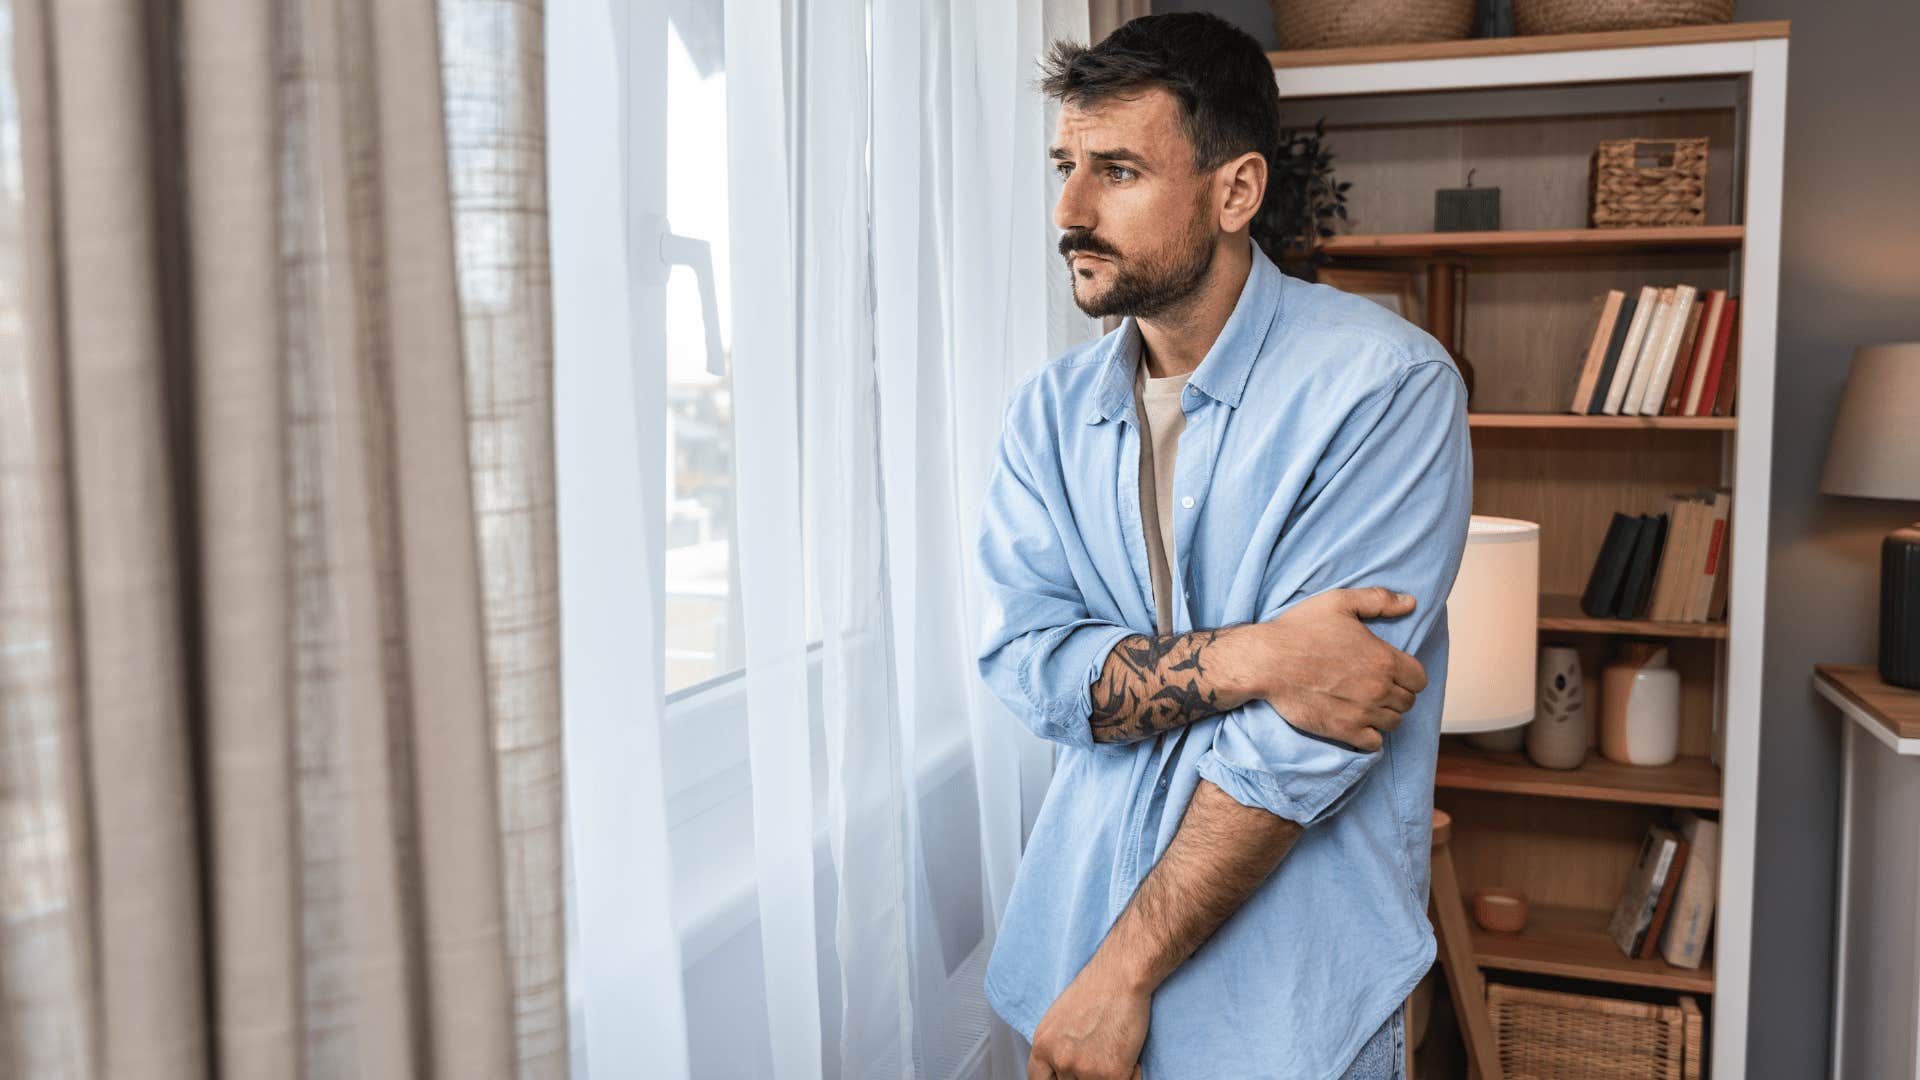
1188,522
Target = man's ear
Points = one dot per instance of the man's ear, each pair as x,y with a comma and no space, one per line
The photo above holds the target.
1245,180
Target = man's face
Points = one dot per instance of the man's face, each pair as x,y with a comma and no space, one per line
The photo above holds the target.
1140,225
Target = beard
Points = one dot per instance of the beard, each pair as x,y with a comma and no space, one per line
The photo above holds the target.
1147,286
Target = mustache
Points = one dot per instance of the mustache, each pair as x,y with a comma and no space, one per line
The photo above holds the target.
1081,240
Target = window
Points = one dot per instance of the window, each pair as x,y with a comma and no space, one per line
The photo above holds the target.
703,625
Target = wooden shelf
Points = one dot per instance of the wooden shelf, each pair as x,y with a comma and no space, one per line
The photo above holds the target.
1540,241
1573,943
1690,781
1890,713
1563,613
1522,45
1602,423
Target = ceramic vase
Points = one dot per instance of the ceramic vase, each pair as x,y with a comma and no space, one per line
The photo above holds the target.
1557,737
1640,709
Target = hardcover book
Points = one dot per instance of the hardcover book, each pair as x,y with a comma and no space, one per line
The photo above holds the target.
1635,590
1610,566
1656,871
1638,331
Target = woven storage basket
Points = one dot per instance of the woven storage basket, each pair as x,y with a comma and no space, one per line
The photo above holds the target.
1581,16
1329,24
1650,182
1548,1035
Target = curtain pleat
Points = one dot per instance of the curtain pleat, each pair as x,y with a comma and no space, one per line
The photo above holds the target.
123,487
47,943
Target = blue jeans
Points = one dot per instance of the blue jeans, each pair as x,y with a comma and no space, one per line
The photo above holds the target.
1384,1056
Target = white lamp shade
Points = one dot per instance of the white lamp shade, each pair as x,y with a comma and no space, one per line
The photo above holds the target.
1875,449
1493,628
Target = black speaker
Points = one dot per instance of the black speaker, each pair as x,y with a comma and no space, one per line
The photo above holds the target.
1900,608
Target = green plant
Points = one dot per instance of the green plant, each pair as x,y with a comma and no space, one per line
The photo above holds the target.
1303,200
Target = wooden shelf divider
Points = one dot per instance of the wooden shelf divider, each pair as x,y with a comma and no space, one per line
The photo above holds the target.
1573,943
1690,781
1524,45
1540,241
1601,423
1563,613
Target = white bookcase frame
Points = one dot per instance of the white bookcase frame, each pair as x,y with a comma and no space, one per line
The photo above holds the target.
1759,68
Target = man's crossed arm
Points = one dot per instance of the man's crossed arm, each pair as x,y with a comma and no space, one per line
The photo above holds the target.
1316,664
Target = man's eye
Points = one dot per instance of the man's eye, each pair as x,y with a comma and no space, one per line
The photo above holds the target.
1063,167
1119,172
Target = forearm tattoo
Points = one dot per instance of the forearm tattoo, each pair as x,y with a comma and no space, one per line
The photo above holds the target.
1152,683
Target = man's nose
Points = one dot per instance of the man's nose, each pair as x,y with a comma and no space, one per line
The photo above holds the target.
1074,210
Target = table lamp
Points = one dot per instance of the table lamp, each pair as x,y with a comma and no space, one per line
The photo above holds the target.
1493,626
1874,453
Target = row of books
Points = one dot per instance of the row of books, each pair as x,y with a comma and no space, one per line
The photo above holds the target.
1670,351
1670,566
1666,907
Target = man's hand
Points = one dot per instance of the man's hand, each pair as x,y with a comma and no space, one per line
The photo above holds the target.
1094,1030
1325,673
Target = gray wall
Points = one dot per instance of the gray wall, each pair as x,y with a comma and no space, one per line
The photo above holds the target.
1850,276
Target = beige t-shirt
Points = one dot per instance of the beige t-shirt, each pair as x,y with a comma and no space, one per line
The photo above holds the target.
1157,402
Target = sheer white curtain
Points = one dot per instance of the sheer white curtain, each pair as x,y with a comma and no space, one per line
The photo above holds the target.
628,1016
890,265
918,213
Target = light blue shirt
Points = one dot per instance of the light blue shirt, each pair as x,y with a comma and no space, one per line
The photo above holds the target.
1326,446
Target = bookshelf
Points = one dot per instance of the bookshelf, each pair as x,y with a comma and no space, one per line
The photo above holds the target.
1526,115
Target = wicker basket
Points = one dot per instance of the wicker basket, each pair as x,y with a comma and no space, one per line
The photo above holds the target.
1548,1035
1582,16
1650,182
1328,24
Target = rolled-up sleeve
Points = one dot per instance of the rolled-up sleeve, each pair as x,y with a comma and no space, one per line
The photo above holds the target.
1394,512
1041,648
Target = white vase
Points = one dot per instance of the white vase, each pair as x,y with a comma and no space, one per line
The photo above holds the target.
1557,737
1640,715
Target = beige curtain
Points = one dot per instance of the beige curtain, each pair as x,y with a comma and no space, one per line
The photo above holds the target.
279,719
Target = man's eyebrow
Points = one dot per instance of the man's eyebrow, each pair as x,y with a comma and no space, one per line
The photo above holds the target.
1120,153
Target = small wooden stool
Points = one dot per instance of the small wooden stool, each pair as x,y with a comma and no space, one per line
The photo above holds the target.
1464,984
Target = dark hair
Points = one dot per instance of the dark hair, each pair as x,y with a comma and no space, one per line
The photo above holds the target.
1229,103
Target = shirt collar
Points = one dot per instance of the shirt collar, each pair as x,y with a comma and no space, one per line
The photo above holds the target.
1222,374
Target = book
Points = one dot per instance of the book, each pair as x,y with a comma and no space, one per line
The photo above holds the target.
1630,349
1634,591
1683,364
1700,591
1680,513
1653,390
1655,872
1723,342
1621,322
1729,380
1610,566
1683,942
1717,593
1684,517
1649,944
1710,323
1606,311
1647,357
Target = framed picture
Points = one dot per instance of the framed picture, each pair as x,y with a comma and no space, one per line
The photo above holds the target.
1391,289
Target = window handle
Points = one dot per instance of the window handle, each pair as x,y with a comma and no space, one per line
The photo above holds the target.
669,249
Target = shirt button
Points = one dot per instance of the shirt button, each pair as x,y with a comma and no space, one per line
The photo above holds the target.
1187,502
